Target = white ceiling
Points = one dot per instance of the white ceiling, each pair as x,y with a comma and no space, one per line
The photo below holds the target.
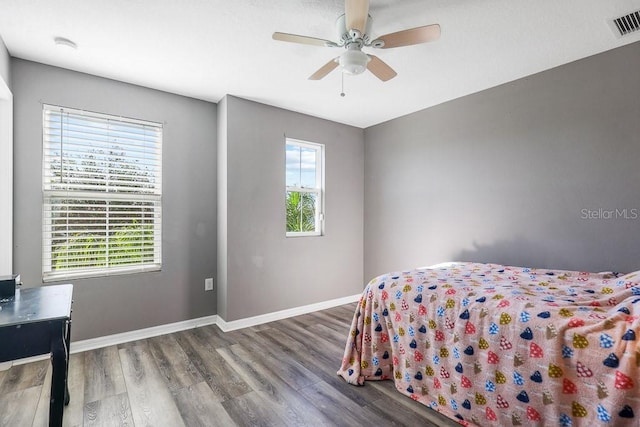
208,48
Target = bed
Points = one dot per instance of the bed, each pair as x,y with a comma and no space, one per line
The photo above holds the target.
487,344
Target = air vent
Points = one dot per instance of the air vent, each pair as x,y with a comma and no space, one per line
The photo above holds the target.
627,24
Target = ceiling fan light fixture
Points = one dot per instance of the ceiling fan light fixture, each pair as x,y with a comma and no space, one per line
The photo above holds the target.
353,61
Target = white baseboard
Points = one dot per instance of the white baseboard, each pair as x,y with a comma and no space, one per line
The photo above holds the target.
115,339
140,334
283,314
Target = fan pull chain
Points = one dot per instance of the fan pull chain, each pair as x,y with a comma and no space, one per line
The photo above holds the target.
342,94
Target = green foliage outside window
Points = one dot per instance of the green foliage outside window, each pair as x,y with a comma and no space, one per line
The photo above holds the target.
132,244
301,211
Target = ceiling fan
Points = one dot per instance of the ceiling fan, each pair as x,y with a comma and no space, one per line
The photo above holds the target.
354,29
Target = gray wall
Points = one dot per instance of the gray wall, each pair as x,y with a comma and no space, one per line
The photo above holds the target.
266,271
5,64
116,304
503,175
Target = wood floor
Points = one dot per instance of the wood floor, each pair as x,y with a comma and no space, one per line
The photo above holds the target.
278,374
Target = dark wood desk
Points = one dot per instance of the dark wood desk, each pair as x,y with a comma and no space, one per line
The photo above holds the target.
38,321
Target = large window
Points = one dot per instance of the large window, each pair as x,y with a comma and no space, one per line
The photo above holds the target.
102,191
304,182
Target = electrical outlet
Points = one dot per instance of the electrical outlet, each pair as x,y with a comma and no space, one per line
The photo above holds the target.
208,284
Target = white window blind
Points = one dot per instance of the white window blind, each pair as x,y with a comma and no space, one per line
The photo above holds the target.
102,194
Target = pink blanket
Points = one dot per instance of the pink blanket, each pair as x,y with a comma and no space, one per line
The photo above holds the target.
488,344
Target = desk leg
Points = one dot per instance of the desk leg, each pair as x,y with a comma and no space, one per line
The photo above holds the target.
58,381
67,342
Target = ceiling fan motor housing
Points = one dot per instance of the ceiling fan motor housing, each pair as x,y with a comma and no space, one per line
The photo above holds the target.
346,36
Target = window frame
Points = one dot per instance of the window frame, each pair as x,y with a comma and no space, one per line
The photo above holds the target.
319,189
48,193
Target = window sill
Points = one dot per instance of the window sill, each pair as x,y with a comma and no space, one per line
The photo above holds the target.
304,234
87,274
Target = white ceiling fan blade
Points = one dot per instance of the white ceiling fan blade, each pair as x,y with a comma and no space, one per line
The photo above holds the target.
356,13
410,37
380,69
324,70
294,38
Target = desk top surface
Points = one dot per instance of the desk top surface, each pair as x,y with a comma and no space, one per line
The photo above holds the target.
40,304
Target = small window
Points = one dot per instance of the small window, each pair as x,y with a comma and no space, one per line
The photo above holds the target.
304,187
102,191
